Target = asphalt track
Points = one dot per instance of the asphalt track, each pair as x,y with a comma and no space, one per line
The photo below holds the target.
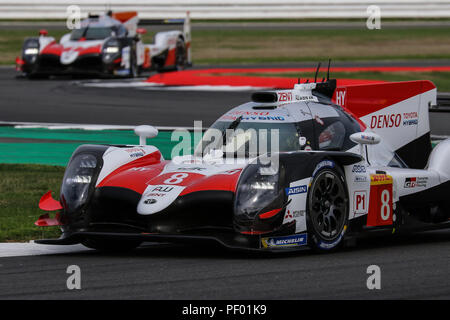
412,267
61,100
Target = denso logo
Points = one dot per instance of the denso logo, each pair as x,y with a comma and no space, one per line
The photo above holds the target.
393,120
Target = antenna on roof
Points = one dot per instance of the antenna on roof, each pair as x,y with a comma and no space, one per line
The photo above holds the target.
328,72
317,71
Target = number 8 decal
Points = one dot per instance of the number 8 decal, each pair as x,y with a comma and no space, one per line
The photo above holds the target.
385,208
176,178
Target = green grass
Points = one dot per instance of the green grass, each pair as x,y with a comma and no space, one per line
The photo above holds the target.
271,45
21,187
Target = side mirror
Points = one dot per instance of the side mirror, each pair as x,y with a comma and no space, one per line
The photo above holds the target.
145,132
43,32
363,139
141,31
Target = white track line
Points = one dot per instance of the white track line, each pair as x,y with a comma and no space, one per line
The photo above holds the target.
33,249
161,87
59,126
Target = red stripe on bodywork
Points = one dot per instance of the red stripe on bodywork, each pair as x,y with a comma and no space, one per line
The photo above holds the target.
89,50
217,182
269,214
145,168
53,48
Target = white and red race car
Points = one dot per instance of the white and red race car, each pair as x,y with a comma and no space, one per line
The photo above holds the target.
351,161
109,44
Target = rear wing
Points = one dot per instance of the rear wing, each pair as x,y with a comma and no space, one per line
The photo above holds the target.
397,111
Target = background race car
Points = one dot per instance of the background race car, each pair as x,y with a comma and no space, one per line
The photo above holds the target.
109,44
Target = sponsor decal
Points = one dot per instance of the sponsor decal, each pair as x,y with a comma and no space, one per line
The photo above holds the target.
287,241
305,98
135,152
378,179
359,168
294,214
414,182
284,96
360,202
394,120
410,118
140,169
323,164
330,245
155,194
162,189
360,178
340,96
296,190
150,201
273,118
191,169
249,113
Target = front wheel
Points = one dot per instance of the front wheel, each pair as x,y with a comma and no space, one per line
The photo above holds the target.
327,207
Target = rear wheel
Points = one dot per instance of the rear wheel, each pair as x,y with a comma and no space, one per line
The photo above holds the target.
134,72
327,208
180,55
111,245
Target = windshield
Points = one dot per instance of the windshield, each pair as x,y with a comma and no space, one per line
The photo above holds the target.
249,139
91,33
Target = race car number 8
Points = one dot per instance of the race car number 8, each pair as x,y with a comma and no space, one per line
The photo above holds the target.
176,178
385,209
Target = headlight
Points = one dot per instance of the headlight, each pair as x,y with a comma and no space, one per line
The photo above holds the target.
30,51
257,193
77,179
112,49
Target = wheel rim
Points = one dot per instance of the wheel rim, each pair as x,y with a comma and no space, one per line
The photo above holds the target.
327,205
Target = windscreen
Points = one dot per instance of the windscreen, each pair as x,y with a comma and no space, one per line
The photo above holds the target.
249,139
91,33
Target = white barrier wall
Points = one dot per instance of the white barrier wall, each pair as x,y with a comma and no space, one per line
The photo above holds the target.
229,9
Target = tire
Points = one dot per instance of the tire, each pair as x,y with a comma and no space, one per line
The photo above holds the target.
110,245
180,55
134,72
327,208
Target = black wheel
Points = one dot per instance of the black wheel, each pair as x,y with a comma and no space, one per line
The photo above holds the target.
180,55
327,207
110,245
134,71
